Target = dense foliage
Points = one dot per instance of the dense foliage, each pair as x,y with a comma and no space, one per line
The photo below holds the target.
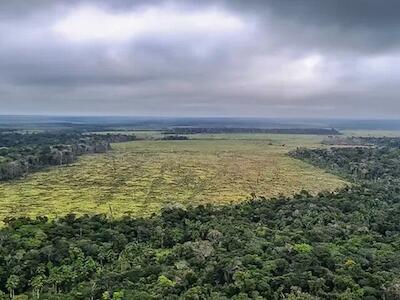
343,245
362,141
22,153
358,163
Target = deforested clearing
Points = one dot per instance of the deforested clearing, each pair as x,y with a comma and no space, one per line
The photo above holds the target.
139,178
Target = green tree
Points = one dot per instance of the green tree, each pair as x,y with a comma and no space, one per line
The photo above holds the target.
37,284
12,283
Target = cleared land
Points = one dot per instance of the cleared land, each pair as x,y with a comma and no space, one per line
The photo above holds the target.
138,178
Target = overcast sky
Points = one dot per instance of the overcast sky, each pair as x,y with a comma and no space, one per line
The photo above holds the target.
277,58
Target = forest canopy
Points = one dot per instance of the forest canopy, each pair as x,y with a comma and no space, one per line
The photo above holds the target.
23,153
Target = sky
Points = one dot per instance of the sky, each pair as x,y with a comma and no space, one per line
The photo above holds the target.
232,58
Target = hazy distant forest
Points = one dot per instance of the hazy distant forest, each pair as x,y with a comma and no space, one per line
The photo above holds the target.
341,242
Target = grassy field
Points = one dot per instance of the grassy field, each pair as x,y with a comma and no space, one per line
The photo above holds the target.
138,178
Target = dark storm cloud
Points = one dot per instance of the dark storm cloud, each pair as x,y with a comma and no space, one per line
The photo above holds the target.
252,58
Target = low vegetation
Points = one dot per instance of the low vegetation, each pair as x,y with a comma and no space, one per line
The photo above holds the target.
334,245
140,177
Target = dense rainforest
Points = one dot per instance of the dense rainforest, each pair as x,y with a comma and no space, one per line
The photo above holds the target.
362,141
22,153
340,245
376,164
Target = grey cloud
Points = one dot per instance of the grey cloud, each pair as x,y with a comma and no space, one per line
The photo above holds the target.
308,57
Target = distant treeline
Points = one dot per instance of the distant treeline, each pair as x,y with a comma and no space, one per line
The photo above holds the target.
175,137
216,130
356,163
379,162
21,154
363,141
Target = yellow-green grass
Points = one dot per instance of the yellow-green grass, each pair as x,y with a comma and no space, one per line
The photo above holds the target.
138,178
